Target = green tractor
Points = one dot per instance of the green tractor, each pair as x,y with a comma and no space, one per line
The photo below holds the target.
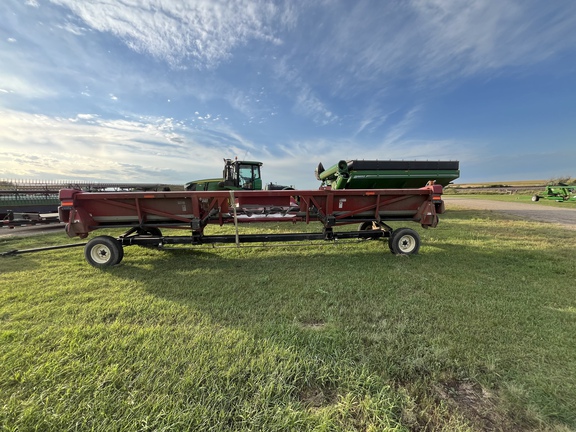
560,192
238,175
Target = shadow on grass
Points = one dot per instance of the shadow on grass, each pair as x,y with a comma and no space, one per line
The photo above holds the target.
478,305
17,263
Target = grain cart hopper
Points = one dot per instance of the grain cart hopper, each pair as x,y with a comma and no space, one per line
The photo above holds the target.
381,174
561,192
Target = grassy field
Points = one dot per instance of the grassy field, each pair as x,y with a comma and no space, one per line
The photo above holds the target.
474,333
518,198
517,183
537,183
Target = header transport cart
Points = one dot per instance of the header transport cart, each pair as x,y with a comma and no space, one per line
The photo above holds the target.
146,214
368,193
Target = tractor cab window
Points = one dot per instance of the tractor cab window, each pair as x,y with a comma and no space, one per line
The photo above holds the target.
249,176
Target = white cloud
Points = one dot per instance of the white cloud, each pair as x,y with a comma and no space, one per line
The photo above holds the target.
163,149
11,40
310,105
204,31
479,35
85,146
371,120
74,29
433,41
397,131
89,146
24,87
85,117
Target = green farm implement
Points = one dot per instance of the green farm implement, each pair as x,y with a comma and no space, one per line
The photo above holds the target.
560,193
387,174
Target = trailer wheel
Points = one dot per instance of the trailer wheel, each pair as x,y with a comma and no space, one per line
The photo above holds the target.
365,226
368,226
103,251
153,231
535,198
404,241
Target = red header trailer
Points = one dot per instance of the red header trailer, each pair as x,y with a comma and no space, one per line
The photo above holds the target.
145,214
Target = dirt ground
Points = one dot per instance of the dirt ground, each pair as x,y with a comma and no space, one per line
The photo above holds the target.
563,216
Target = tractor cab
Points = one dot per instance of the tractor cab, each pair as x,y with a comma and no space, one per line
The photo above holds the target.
244,175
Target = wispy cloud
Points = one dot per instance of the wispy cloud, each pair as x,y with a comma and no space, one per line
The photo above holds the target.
310,105
434,41
329,79
354,46
400,129
372,118
90,146
471,37
73,28
22,86
202,32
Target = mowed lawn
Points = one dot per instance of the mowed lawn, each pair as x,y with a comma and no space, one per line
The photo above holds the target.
476,332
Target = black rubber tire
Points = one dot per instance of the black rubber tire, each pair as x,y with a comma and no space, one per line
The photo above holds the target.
103,251
153,231
535,198
404,241
149,231
367,226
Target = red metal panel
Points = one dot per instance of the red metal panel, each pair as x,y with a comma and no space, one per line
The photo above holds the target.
199,208
258,200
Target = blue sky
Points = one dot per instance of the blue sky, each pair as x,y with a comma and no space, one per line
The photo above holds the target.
162,91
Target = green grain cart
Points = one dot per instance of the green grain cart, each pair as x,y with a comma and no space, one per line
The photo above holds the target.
382,174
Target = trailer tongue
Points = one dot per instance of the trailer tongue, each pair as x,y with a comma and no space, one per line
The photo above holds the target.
146,214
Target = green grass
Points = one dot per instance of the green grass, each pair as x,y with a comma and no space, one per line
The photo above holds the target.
517,198
476,332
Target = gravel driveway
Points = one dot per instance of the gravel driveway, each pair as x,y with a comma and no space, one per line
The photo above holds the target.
537,212
29,231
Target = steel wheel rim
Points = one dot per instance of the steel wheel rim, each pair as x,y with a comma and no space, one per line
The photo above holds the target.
100,254
406,244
